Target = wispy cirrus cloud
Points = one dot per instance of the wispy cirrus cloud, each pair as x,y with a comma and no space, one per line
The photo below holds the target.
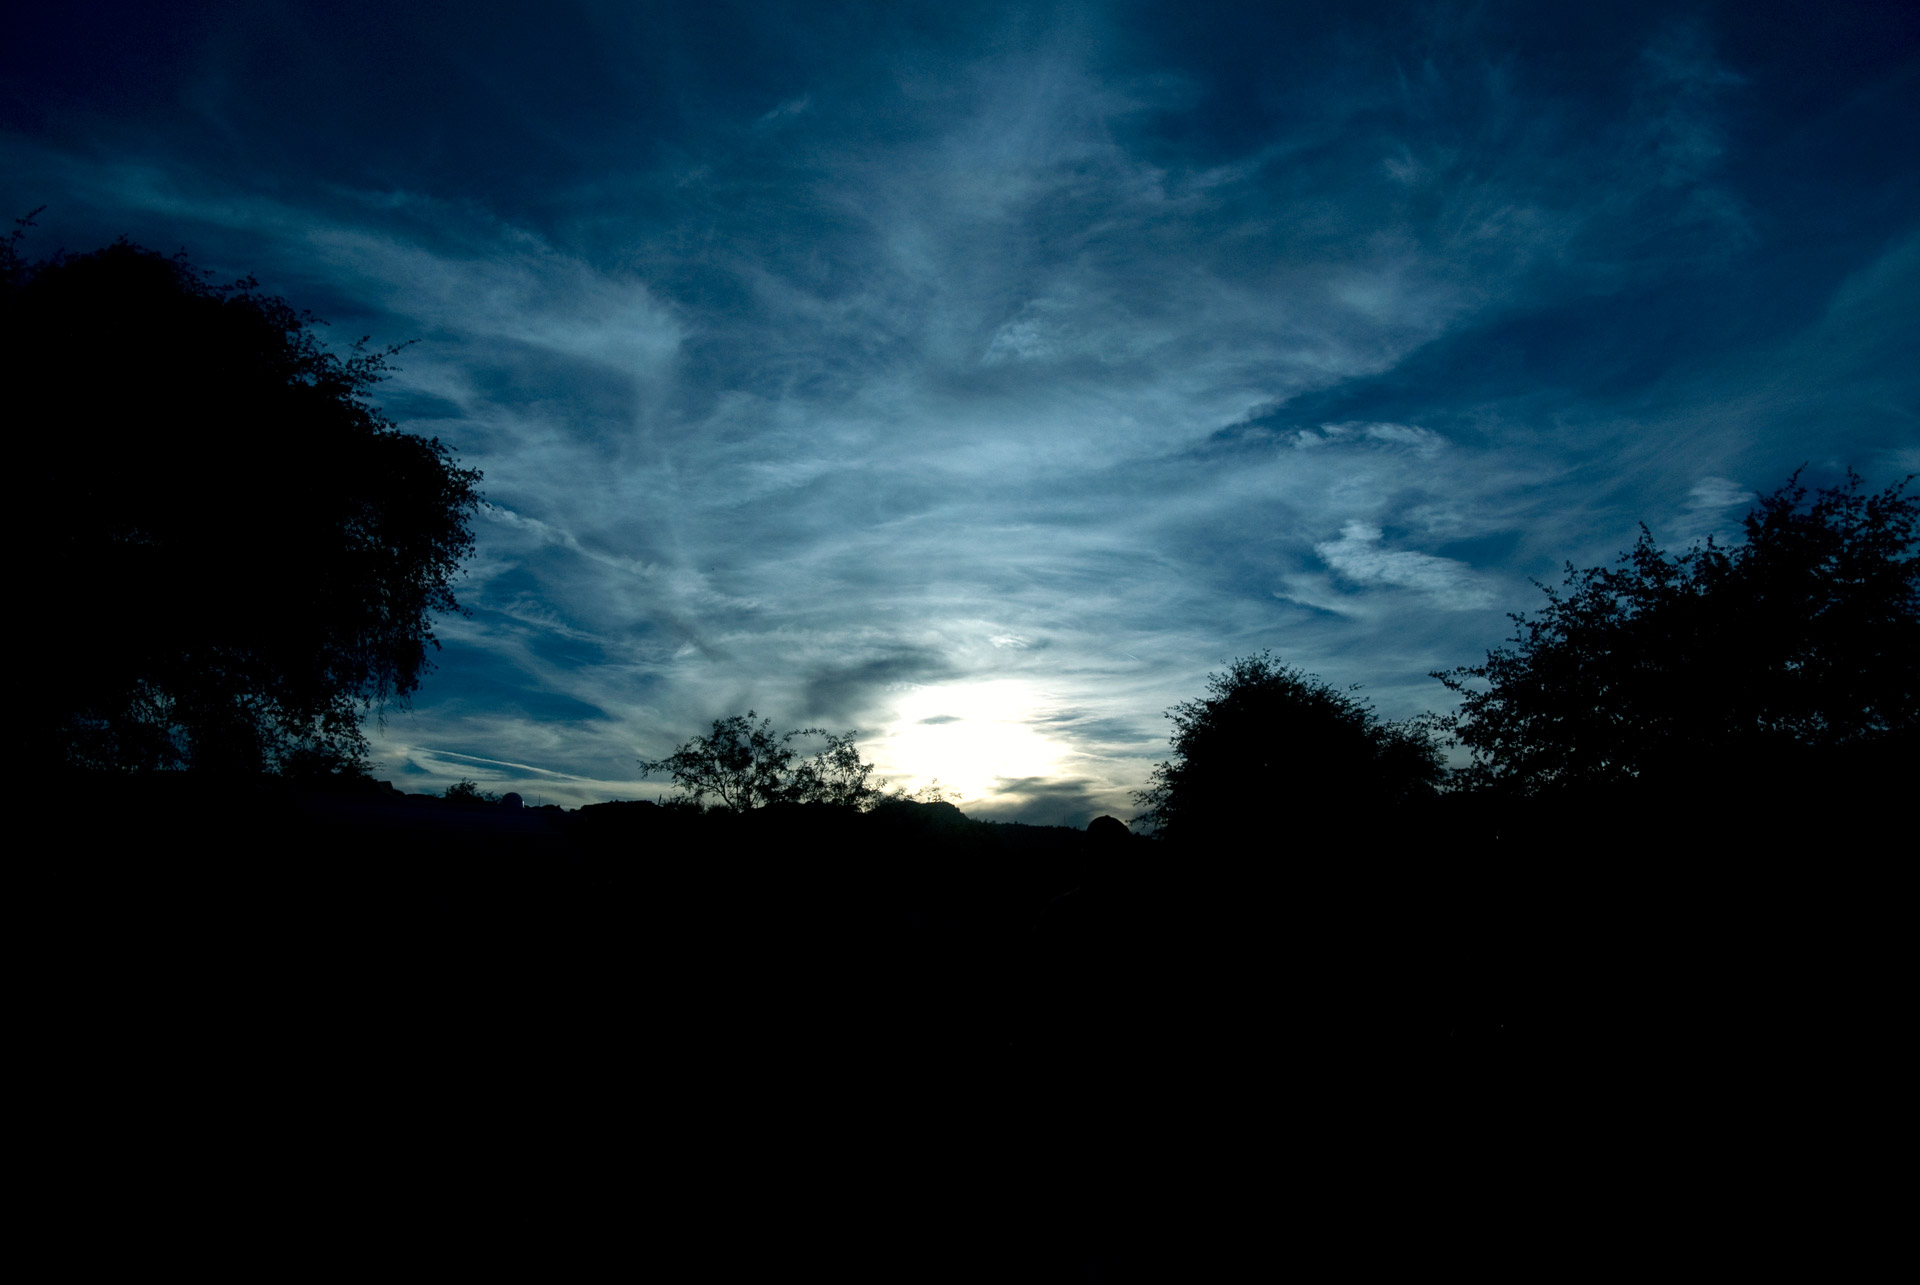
984,385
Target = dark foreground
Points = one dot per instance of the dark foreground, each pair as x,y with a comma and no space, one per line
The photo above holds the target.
908,1046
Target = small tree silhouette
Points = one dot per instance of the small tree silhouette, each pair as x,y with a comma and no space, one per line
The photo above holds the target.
747,766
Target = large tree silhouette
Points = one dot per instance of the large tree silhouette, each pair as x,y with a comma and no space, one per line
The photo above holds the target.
1795,651
232,551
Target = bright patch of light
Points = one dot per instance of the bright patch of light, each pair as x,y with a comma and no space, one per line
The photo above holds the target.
967,735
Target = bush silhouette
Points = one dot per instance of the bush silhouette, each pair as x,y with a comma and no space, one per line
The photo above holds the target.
1270,739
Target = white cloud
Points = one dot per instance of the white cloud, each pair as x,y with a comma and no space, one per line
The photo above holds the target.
786,111
1358,556
1710,495
1423,442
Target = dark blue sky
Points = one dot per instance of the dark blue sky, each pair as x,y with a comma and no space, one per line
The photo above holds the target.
980,377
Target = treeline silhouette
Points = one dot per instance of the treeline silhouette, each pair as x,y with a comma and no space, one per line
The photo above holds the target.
825,1024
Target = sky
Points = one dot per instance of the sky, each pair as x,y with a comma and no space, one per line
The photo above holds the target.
980,377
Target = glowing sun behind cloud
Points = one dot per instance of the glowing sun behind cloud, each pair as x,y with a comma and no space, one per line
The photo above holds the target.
966,735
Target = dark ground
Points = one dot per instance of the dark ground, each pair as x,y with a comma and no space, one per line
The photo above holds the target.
908,1046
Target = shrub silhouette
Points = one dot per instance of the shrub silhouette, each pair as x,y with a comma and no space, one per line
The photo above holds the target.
238,552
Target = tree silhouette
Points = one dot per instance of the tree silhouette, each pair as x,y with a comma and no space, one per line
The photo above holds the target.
1796,650
746,766
1268,733
236,552
468,791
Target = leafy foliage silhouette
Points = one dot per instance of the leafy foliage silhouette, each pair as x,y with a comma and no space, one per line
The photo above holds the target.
1269,732
747,766
1798,647
239,552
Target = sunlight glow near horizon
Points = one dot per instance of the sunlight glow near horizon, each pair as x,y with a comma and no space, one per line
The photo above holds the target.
967,736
